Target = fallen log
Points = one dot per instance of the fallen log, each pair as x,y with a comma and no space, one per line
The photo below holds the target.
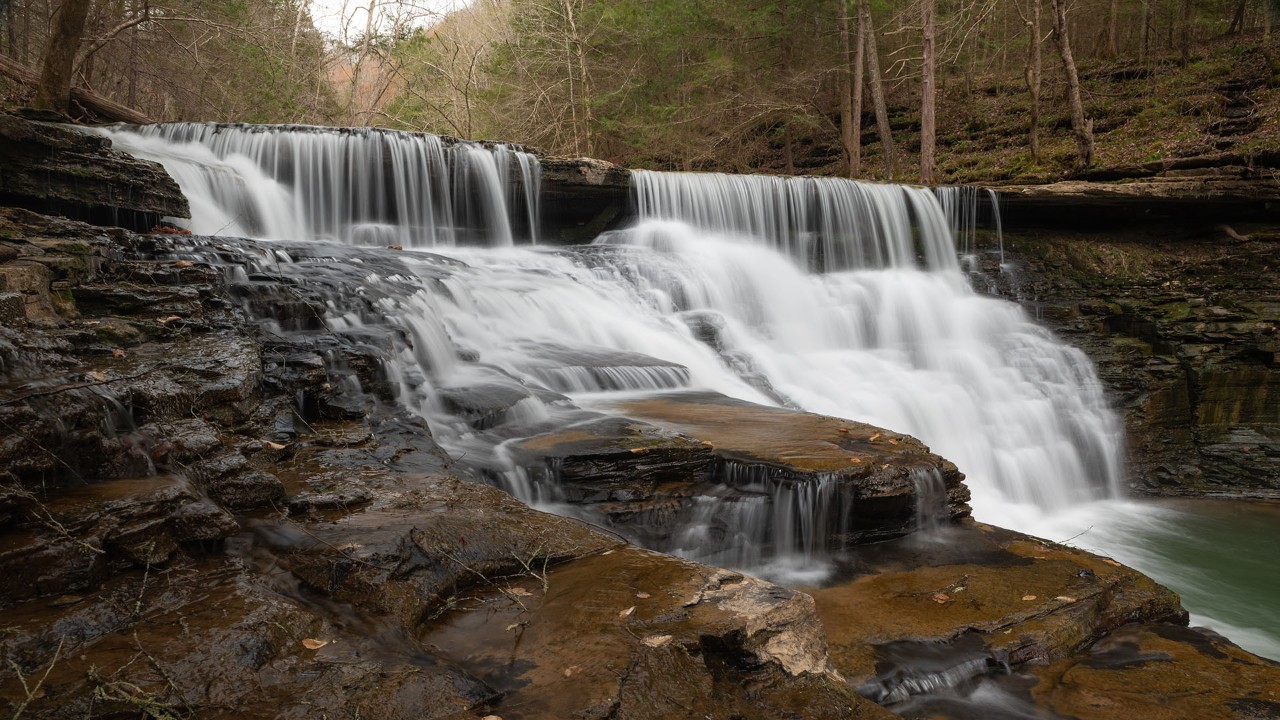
91,101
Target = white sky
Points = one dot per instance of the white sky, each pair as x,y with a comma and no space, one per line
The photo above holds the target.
332,17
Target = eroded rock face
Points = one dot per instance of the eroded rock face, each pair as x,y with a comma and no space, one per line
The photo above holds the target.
1184,325
659,463
54,169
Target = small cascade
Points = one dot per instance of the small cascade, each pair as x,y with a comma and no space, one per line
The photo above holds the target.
362,186
755,515
821,223
931,500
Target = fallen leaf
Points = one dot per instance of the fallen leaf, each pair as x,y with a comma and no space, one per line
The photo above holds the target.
643,595
1109,561
184,263
708,443
875,437
569,671
314,644
520,592
639,451
491,717
627,612
607,552
395,247
273,445
1065,598
168,319
656,641
940,598
1039,557
1028,597
514,626
118,353
97,375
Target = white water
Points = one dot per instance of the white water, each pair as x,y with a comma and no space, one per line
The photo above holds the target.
360,186
890,334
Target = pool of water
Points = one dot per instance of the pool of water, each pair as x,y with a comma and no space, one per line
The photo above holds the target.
1221,556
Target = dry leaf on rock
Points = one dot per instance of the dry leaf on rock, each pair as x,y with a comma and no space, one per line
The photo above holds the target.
314,644
118,353
940,598
273,445
656,641
184,263
521,592
627,612
643,595
1028,597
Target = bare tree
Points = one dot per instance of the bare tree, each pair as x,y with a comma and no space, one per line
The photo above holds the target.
1080,125
1032,73
851,91
928,98
876,80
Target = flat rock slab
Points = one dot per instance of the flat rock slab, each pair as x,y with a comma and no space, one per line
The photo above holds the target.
1161,672
1014,598
629,633
884,468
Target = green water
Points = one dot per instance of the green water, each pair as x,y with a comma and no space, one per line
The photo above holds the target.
1221,556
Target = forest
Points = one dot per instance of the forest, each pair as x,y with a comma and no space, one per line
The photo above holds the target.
934,91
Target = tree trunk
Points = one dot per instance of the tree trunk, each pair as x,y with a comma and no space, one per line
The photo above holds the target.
1080,125
876,81
1185,51
1113,31
1033,74
928,98
1144,50
54,90
851,93
1237,19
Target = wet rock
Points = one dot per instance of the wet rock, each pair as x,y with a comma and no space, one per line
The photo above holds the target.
71,539
613,459
54,169
1160,671
634,634
417,552
875,474
234,483
1020,599
213,641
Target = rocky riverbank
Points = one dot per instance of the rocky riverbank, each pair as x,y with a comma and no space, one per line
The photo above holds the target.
212,505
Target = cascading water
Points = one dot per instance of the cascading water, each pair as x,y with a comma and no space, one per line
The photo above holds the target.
359,186
827,295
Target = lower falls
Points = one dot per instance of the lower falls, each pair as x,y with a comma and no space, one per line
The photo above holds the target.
829,296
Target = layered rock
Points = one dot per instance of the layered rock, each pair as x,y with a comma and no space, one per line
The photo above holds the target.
687,458
54,169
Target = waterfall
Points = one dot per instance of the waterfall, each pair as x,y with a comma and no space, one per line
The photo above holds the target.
827,295
362,186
